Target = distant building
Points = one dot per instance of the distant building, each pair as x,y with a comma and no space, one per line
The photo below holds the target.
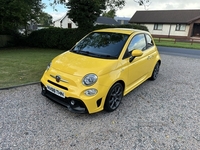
66,22
122,20
170,23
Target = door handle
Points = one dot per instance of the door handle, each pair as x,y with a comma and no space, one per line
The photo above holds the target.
149,57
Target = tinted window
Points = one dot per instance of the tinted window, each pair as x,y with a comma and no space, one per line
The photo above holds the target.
101,44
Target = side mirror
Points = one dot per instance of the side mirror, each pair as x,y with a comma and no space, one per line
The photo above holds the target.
135,53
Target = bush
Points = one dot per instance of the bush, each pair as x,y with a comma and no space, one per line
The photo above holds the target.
10,39
65,38
55,38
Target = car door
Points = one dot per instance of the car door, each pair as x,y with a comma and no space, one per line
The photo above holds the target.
137,70
150,52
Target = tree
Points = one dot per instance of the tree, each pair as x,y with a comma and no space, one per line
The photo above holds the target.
45,19
115,4
110,14
85,12
144,3
15,13
112,6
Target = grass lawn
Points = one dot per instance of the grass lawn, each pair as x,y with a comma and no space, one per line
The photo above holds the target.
27,65
24,65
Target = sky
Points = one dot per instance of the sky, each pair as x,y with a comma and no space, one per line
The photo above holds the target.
131,7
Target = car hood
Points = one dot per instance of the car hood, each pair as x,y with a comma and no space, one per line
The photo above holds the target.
80,65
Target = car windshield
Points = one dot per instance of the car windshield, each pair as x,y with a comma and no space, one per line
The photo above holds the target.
102,45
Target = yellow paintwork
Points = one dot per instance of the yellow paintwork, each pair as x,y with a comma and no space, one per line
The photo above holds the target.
73,67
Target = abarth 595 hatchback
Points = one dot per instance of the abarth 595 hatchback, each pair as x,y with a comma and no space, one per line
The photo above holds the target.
100,69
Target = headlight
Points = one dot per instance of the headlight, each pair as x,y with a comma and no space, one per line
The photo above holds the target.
48,66
89,79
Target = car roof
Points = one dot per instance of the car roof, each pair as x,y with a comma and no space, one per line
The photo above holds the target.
121,30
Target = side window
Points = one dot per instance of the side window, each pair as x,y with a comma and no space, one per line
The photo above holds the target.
149,41
138,42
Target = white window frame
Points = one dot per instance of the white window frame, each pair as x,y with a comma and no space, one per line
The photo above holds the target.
180,27
158,26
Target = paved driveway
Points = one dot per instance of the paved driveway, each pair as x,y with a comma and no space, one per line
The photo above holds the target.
159,115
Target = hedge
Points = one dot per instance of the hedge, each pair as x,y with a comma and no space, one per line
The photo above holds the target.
59,38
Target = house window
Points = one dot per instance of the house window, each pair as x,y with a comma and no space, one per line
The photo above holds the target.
158,26
70,25
180,27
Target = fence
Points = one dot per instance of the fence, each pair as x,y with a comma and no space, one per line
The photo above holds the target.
175,40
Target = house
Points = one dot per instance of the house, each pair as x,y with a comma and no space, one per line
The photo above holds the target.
31,26
122,20
66,22
170,23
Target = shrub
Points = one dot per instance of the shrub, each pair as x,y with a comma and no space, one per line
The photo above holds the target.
11,38
65,38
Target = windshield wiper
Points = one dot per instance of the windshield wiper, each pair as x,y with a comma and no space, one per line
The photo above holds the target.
88,53
106,56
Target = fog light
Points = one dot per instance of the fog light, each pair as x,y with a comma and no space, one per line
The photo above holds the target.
72,102
43,88
91,92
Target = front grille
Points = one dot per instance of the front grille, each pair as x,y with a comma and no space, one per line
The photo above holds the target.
60,86
73,104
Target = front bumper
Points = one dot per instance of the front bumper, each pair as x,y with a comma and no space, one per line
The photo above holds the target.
76,105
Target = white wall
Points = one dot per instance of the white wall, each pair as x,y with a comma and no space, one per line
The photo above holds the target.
57,23
65,22
180,33
166,30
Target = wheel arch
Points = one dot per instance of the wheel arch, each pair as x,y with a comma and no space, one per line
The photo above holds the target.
123,86
118,81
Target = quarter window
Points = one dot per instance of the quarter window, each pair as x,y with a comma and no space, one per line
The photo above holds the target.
180,27
158,26
149,41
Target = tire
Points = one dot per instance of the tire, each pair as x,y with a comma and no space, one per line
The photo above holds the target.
114,97
155,71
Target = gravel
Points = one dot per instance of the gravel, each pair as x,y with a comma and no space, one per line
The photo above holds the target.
158,115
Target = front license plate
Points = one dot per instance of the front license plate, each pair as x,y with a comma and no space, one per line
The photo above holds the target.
55,91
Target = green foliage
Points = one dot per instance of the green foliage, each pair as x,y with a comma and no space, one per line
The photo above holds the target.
85,12
55,38
115,4
133,26
45,19
109,14
15,13
65,38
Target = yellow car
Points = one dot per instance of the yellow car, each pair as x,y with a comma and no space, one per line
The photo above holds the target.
100,69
